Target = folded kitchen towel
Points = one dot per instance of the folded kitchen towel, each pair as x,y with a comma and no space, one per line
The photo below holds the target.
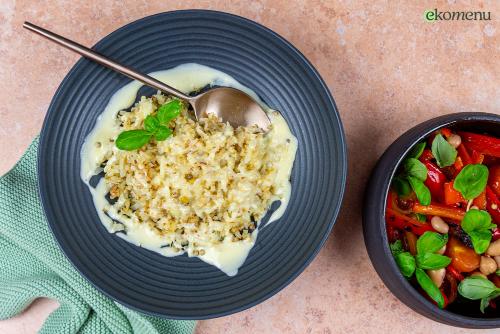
32,266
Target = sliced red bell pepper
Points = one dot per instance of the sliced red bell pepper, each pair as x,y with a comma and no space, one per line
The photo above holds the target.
480,201
446,302
435,180
392,233
493,304
483,144
390,196
451,196
496,234
402,222
455,273
494,179
426,155
477,158
464,155
493,205
440,210
491,161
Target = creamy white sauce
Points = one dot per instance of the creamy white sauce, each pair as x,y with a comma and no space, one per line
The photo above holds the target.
227,256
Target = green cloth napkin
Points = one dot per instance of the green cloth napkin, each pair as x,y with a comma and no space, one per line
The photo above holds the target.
32,266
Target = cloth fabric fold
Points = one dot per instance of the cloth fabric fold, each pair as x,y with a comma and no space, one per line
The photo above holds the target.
32,265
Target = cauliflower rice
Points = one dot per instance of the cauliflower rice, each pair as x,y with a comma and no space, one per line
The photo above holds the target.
206,183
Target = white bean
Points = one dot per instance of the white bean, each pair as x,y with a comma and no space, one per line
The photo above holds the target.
439,225
494,248
442,250
437,276
455,140
497,260
487,265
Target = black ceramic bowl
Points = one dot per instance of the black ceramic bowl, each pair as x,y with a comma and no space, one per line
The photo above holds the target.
463,315
182,287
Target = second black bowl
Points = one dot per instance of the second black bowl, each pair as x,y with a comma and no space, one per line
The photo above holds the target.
374,229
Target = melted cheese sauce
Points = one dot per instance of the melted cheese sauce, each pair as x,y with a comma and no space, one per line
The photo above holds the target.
227,256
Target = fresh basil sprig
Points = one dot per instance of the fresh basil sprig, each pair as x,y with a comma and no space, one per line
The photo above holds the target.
431,242
429,287
477,224
423,193
432,261
426,259
406,263
169,111
404,260
477,287
471,181
444,153
417,150
415,168
415,173
401,185
151,123
396,247
132,140
154,127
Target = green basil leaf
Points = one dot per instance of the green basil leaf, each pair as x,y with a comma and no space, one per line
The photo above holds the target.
485,302
444,153
415,168
169,111
421,190
401,186
417,150
432,261
498,272
477,224
406,263
396,247
151,123
429,287
162,133
476,287
476,220
132,140
431,242
480,240
421,217
471,181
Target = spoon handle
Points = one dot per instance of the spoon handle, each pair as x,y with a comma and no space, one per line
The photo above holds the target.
88,53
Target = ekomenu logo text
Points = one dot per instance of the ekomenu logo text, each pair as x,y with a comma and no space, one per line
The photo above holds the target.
432,15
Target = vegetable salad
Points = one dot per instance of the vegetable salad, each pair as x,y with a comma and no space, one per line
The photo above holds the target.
442,217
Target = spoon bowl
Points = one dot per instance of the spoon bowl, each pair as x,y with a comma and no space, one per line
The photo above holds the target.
231,105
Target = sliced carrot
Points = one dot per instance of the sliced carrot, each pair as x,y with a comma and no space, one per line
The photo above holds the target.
403,222
458,165
439,210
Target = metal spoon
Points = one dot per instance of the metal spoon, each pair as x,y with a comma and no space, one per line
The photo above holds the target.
230,104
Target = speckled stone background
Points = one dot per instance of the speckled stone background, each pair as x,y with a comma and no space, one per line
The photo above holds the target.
387,68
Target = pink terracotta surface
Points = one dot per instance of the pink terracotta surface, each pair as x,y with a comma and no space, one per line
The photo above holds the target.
387,68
